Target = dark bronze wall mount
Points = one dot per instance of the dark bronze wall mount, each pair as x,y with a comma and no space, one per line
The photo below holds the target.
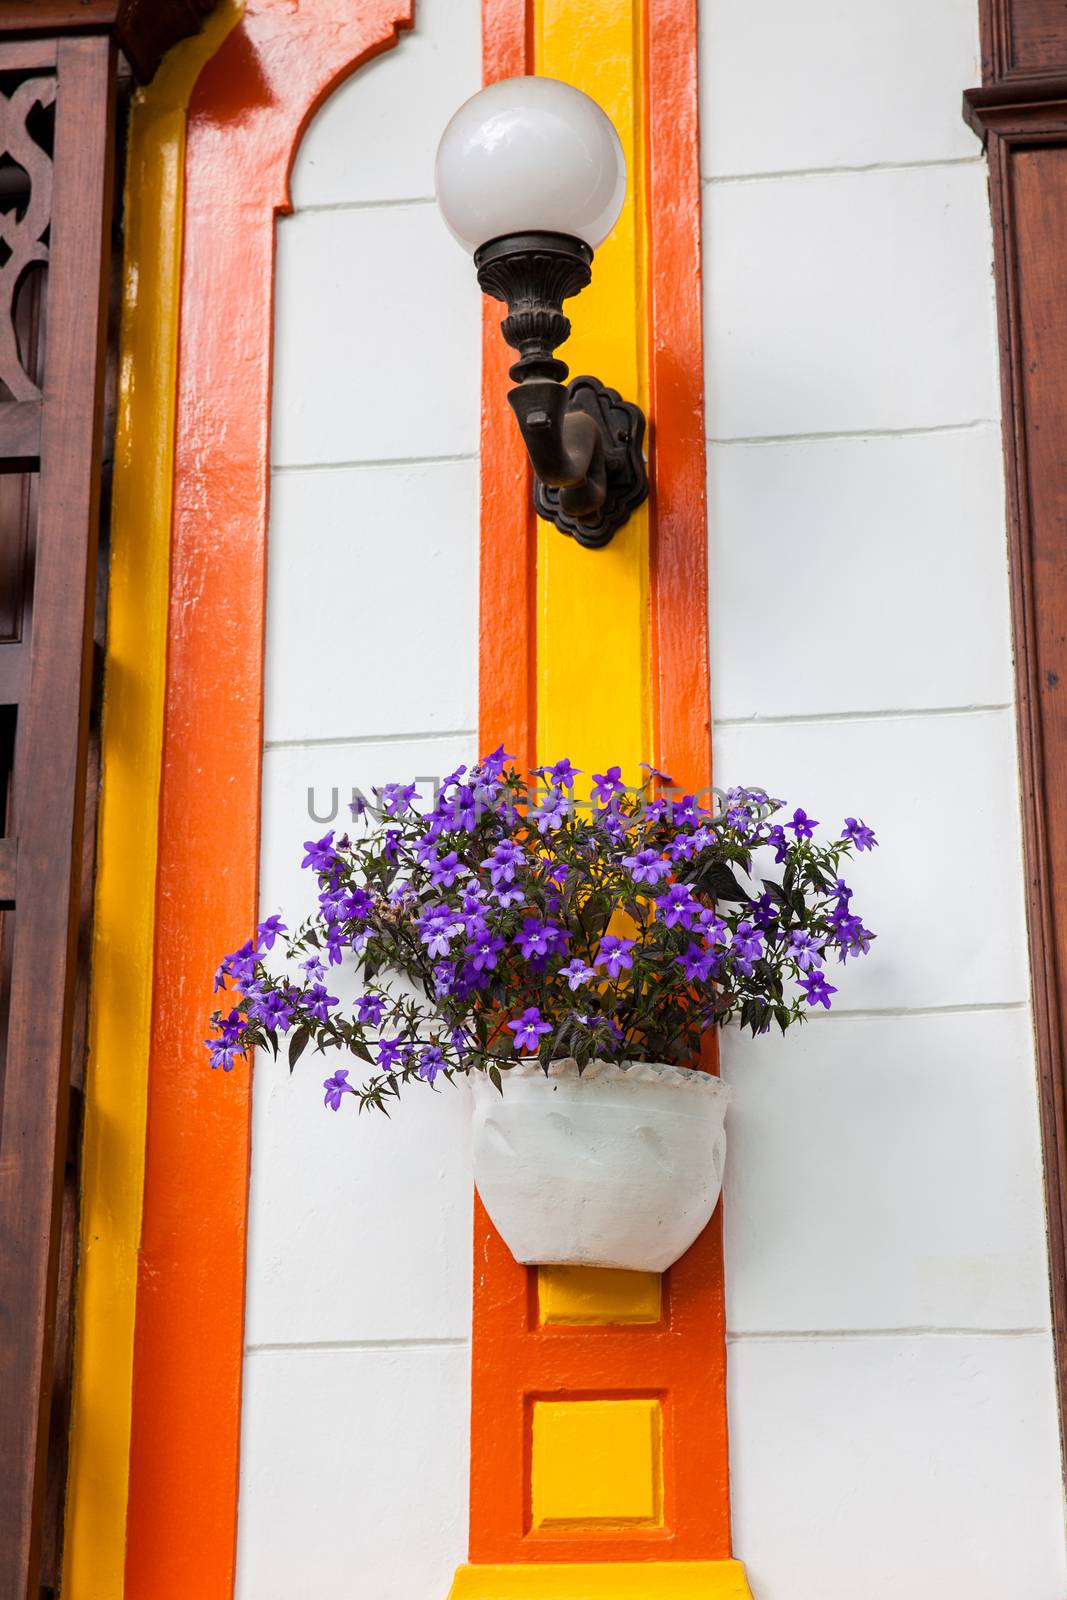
584,441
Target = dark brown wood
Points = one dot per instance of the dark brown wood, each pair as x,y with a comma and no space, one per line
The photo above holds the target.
43,852
1023,120
1022,38
143,29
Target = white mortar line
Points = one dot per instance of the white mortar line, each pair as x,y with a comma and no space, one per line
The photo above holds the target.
360,739
386,204
374,461
978,159
974,426
860,1014
897,713
807,1335
328,1346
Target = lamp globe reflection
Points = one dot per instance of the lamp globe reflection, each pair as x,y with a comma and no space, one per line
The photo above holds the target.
530,155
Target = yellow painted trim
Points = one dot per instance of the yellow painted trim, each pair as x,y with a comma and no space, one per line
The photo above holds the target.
594,698
610,1580
121,994
591,1296
597,1464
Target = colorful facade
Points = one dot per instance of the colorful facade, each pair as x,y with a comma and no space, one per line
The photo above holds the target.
305,1363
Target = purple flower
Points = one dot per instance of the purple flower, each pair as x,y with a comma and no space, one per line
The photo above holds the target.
855,939
861,836
817,991
550,814
241,965
698,964
678,906
227,1045
561,775
802,825
369,1008
390,1053
646,866
483,951
445,870
430,1062
320,853
538,938
654,772
222,972
318,1002
502,862
807,952
314,968
529,1029
336,1087
269,931
355,905
274,1010
444,977
746,948
779,843
764,913
492,766
508,896
712,927
437,928
614,954
606,785
396,798
576,973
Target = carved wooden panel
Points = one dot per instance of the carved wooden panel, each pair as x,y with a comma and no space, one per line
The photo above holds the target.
1023,39
56,147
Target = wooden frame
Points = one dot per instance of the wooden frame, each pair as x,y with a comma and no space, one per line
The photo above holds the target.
1021,114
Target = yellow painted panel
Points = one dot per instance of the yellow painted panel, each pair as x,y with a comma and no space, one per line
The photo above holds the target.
597,1463
608,1580
593,605
121,995
593,644
589,1296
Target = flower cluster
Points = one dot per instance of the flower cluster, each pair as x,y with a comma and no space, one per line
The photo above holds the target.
500,919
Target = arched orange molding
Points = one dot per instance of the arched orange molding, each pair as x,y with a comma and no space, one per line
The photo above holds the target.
246,115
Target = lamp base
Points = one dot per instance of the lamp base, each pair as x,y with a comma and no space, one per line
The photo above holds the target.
603,1580
622,432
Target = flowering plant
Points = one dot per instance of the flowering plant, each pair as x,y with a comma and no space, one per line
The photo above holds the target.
508,921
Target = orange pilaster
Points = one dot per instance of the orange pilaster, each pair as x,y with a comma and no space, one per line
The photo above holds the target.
521,1359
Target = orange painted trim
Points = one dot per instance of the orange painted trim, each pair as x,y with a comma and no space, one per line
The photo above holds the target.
679,585
682,1358
247,113
507,672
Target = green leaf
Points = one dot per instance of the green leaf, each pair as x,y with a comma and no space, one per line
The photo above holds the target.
298,1044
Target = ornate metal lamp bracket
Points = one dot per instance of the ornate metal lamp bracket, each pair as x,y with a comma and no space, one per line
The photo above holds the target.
583,440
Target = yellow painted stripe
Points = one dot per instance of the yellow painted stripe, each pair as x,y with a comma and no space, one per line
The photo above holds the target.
593,606
121,995
577,1296
594,694
609,1580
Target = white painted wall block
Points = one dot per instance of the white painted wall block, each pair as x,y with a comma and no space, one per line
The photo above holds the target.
834,83
892,1406
884,1467
372,601
893,552
354,1472
845,302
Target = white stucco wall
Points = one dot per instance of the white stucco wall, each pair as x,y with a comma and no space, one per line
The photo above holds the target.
354,1470
893,1423
892,1405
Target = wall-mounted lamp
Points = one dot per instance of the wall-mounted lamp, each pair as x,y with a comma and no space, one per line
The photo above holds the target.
531,178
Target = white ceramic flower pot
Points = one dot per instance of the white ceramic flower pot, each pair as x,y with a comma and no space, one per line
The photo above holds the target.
616,1167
